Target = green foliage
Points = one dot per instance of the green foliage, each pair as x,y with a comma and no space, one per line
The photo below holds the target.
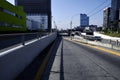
16,9
112,33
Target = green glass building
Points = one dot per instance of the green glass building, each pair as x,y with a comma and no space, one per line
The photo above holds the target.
12,18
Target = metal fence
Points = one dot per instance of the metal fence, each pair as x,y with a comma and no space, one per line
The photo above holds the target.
8,40
110,43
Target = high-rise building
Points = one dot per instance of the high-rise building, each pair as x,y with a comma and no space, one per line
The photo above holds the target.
84,20
119,18
106,18
115,13
37,10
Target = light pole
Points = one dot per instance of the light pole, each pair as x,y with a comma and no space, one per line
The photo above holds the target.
71,29
53,20
71,24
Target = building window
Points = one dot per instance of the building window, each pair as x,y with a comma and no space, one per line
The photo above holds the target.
8,12
10,25
11,13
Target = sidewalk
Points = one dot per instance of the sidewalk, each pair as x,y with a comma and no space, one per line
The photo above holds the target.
55,71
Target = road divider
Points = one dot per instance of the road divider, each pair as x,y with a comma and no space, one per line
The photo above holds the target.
44,63
14,62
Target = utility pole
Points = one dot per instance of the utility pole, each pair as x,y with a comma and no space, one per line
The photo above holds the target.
55,25
71,24
71,30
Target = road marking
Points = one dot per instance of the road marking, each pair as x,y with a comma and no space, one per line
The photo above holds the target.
42,67
96,47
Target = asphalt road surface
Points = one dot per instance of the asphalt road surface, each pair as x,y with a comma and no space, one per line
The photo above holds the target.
85,63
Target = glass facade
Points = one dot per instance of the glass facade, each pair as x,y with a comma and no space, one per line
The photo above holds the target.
42,19
37,7
119,18
8,12
5,24
106,18
115,6
84,20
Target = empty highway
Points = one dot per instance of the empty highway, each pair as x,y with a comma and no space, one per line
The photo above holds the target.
82,62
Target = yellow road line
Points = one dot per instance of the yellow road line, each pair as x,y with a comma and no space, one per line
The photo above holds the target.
42,67
96,47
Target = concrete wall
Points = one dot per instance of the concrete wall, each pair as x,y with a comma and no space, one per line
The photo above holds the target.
16,61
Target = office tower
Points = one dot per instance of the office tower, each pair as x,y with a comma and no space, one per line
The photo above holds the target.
115,13
106,18
84,20
38,10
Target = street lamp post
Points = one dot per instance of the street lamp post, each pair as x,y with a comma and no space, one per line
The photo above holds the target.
71,29
71,24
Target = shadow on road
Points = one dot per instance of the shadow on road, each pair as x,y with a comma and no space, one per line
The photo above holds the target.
61,64
50,63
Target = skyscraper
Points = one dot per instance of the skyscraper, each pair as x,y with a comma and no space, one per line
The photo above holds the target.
115,13
84,20
37,10
106,18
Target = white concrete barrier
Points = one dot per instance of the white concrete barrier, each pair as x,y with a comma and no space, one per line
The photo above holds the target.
14,62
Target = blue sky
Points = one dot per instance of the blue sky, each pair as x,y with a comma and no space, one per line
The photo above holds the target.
63,10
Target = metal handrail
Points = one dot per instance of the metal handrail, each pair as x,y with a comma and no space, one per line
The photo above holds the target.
16,34
23,37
